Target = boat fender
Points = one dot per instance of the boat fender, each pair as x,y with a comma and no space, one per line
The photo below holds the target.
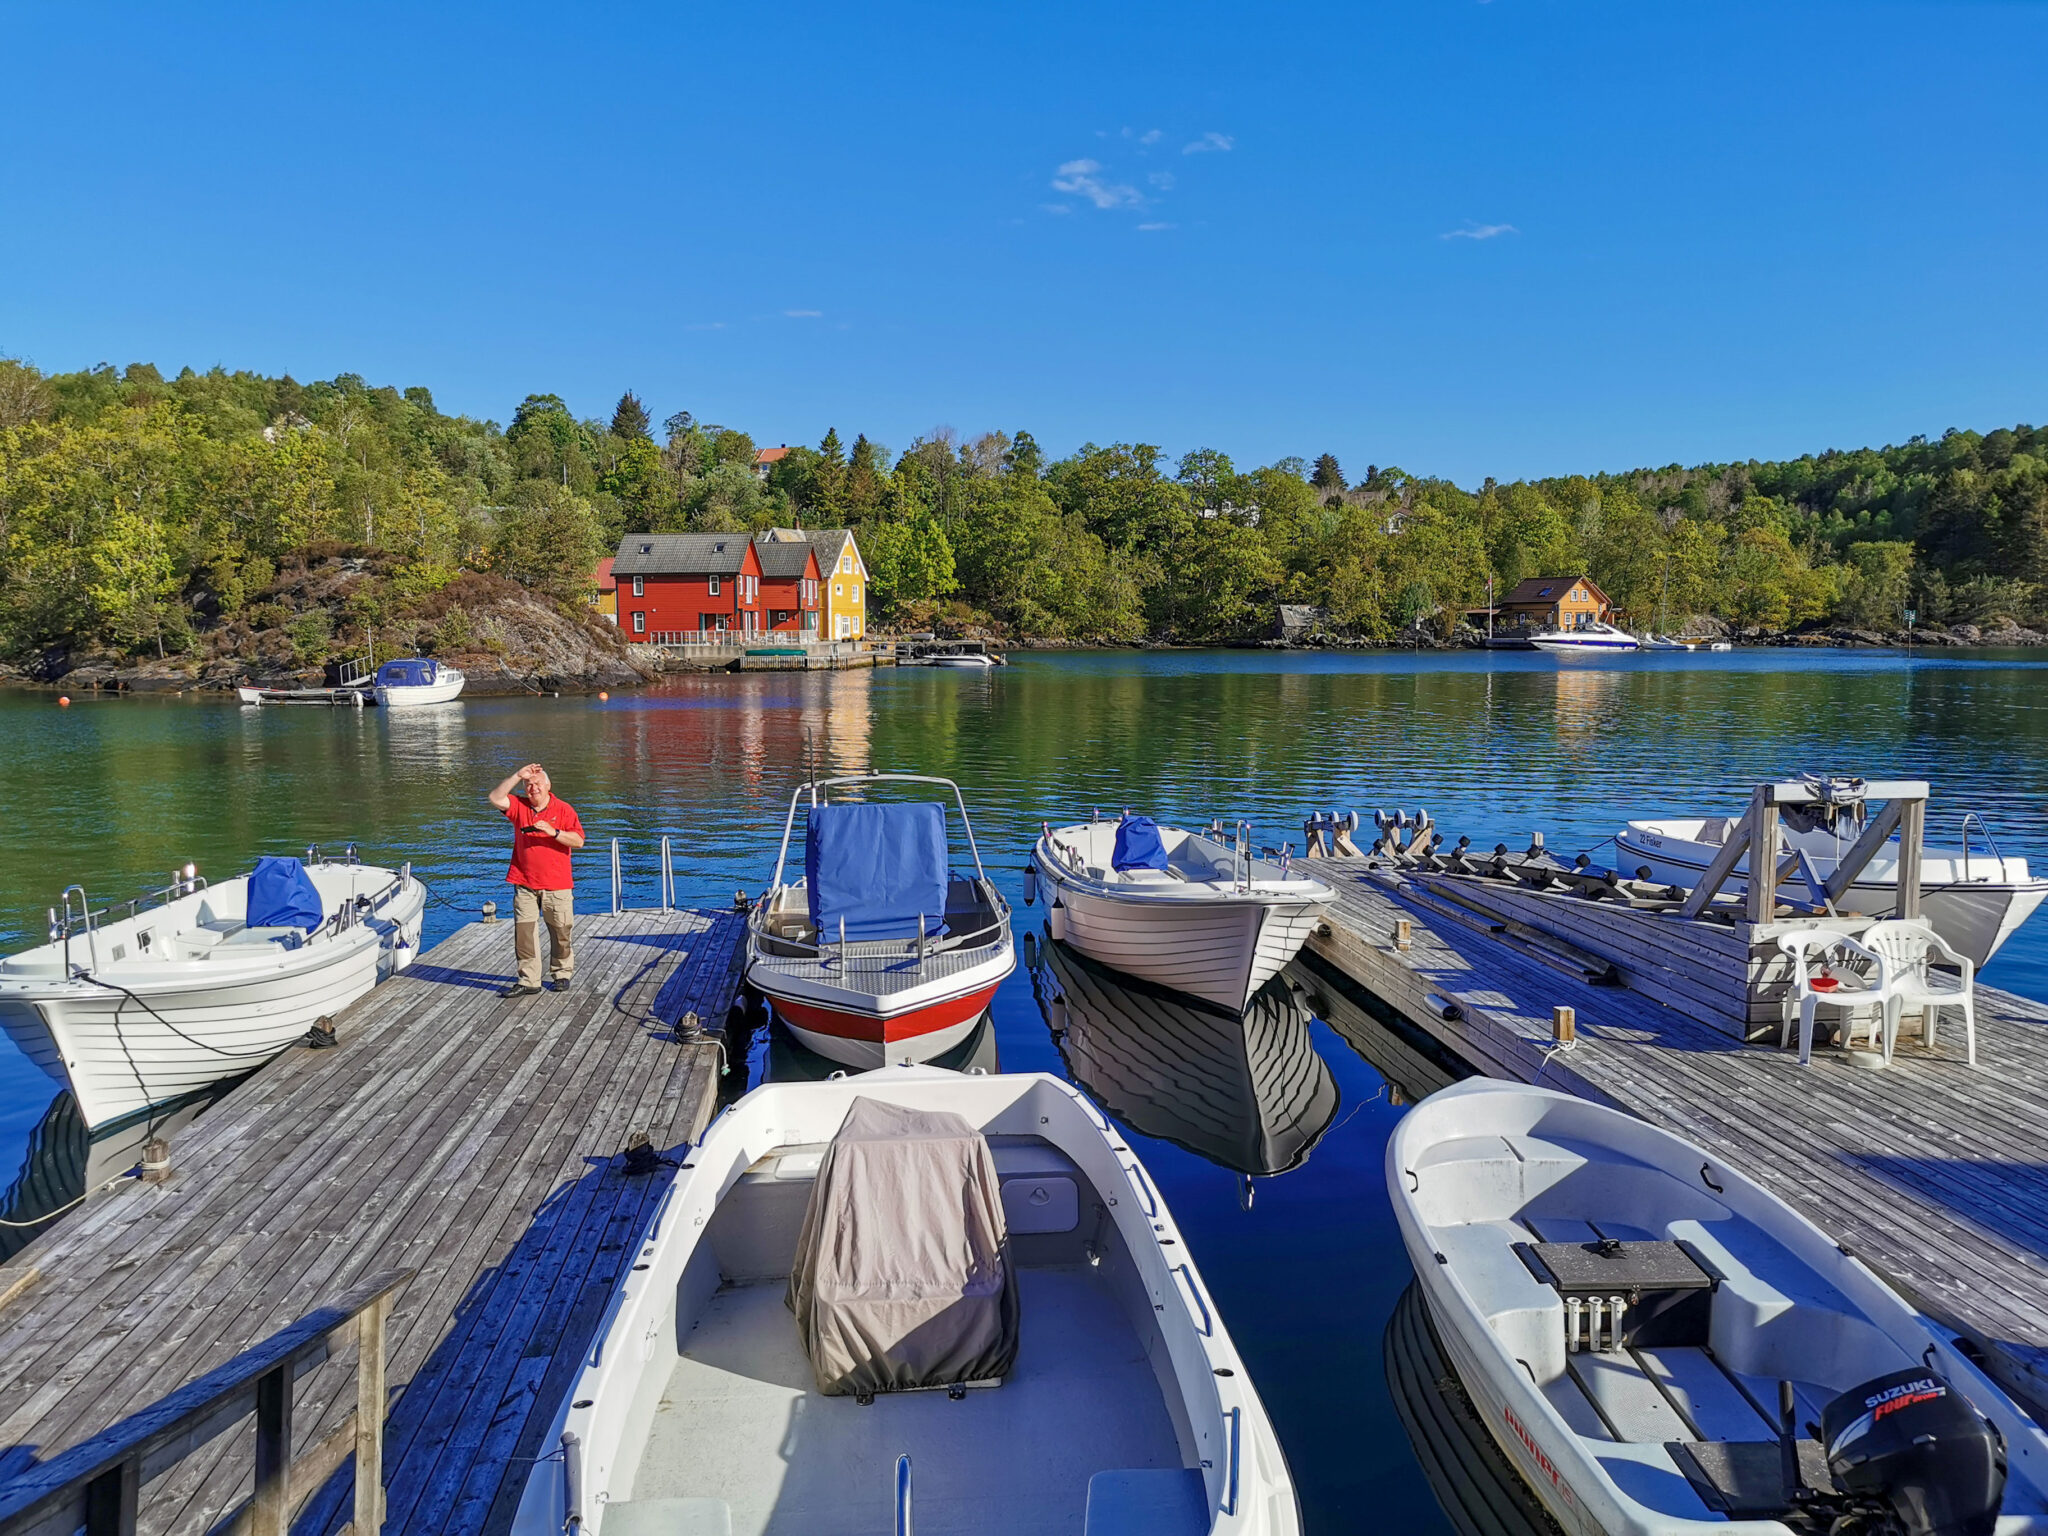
1030,951
1056,920
1030,884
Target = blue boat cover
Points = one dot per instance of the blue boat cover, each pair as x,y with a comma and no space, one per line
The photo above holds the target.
281,895
415,673
1138,845
878,867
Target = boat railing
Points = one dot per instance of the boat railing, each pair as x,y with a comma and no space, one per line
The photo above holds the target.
813,786
903,1495
75,914
1990,845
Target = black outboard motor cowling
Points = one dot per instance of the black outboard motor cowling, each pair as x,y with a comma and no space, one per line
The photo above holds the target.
1912,1445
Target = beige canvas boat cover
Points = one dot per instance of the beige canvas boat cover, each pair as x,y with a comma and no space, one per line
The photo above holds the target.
902,1276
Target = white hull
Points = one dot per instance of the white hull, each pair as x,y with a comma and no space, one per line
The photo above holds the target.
1484,1165
1208,939
446,690
968,663
1588,639
1975,906
178,1026
697,1390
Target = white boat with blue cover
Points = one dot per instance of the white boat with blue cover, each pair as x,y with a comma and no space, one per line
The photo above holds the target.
880,951
141,1004
1187,910
913,1299
417,680
1662,1347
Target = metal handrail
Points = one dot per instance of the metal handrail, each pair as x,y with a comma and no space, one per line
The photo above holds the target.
97,1484
814,785
817,949
668,876
903,1495
1990,843
616,894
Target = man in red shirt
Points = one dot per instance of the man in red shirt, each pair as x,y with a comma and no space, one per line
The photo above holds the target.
546,830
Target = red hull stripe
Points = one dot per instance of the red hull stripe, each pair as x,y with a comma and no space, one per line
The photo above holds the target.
904,1026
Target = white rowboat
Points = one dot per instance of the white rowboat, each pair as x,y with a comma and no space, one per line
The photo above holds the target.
1213,920
1628,1316
136,1010
703,1407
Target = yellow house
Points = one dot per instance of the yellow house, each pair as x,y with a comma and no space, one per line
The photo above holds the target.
843,600
1556,602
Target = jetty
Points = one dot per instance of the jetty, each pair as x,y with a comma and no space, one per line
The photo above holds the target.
422,1225
1929,1171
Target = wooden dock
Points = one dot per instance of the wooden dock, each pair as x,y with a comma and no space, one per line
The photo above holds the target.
1931,1172
470,1139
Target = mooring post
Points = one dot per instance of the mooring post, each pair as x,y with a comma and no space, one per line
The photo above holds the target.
1404,933
1912,837
370,1395
1564,1024
270,1510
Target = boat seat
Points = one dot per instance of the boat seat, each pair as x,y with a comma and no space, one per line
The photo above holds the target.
290,938
668,1517
1147,1502
1149,877
212,930
1525,1314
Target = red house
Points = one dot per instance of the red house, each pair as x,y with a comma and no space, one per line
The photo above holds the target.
674,587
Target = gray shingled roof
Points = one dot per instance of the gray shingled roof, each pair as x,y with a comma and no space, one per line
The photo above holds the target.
681,554
782,561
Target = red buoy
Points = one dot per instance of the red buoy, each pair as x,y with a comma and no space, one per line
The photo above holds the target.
63,701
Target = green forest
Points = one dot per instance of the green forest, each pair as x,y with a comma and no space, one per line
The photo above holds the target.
138,510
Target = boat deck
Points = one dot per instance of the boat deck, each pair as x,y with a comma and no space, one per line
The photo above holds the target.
469,1138
1931,1171
743,1422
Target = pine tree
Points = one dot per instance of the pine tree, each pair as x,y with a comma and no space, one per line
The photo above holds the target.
827,501
864,479
1025,457
1327,476
630,420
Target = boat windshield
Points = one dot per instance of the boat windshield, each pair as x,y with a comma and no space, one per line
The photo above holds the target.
418,672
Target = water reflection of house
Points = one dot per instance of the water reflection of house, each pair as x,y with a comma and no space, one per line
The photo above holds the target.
1554,602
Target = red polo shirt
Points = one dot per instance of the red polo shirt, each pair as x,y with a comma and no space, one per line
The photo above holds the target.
539,862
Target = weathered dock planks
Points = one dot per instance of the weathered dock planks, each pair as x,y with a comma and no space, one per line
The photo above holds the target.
474,1140
1931,1172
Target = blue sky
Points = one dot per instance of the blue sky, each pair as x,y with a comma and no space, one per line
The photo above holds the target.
1502,238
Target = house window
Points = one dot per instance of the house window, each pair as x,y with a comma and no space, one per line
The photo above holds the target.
639,623
856,591
639,586
839,589
714,586
846,565
646,549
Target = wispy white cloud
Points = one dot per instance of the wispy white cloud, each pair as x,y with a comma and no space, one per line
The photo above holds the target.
1157,225
1473,231
1056,207
1163,180
706,325
1211,144
1150,136
804,314
1084,178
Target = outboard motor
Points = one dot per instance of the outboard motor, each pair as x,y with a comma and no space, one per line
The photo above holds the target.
1910,1447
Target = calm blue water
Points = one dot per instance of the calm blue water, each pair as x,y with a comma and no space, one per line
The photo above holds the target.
114,793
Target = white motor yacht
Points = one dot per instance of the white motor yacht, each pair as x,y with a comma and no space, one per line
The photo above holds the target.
137,1005
417,680
1591,637
1975,899
913,1299
1666,643
1662,1347
1184,909
878,952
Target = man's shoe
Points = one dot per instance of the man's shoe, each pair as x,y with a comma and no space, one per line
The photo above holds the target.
516,990
559,984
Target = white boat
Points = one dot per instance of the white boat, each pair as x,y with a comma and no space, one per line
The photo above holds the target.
1588,638
417,680
1628,1316
878,952
1666,643
1974,899
1184,909
1248,1092
135,1006
1046,1357
1720,645
970,655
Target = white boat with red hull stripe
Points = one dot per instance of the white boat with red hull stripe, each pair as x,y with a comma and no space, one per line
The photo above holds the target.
878,953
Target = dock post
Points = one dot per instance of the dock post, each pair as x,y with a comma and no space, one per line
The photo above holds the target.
1764,846
1912,837
1564,1024
1404,933
370,1396
270,1509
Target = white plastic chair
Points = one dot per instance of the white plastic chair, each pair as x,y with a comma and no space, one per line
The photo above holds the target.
1906,978
1809,949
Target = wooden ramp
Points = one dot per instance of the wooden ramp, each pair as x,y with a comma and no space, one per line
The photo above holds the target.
474,1140
1932,1172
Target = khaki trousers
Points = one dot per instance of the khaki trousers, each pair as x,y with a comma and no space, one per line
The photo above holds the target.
529,909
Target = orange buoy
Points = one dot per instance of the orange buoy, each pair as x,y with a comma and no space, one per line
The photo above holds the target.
602,694
63,701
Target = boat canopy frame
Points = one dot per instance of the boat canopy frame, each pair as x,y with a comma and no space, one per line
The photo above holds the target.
812,786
